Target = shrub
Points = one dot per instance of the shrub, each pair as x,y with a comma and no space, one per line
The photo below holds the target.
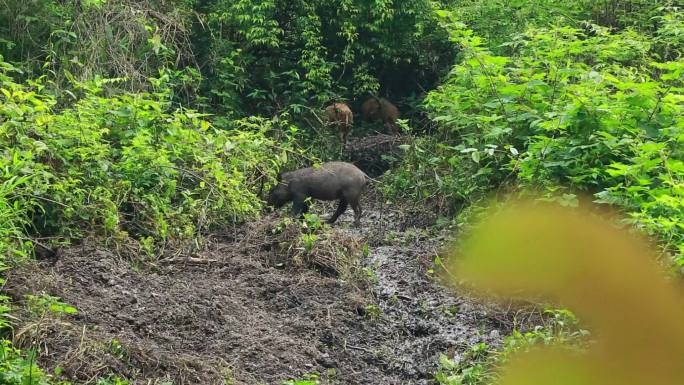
565,111
126,164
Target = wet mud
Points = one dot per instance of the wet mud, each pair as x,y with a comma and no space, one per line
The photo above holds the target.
243,312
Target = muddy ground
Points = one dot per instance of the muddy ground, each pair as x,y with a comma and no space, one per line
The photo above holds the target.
244,312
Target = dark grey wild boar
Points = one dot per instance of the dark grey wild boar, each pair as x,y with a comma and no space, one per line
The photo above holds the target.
340,116
375,108
331,181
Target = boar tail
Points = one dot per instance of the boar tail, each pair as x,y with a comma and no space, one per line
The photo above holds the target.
369,179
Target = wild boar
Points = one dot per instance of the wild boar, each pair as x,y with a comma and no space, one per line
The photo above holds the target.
375,108
340,116
331,181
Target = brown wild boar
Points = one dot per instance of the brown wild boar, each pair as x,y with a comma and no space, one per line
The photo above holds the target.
340,116
331,181
375,108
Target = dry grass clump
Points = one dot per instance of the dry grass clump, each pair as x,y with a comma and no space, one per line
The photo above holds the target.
312,244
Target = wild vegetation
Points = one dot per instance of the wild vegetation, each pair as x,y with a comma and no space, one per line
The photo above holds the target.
565,108
144,126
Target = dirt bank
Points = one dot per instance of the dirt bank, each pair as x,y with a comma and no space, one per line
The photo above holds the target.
240,312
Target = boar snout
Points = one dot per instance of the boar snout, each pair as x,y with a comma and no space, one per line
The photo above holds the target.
278,196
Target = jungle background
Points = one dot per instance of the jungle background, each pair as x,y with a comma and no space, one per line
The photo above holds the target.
145,127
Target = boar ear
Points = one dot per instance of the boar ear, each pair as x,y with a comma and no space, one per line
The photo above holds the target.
279,177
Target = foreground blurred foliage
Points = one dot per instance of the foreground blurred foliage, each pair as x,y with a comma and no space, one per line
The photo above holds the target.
606,275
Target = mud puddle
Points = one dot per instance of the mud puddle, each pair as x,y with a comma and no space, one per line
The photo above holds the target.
238,313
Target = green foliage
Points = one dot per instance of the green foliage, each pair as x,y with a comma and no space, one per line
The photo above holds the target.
479,364
498,21
669,33
79,40
309,241
41,305
117,350
372,311
593,112
18,369
112,380
308,379
312,230
127,164
312,222
326,50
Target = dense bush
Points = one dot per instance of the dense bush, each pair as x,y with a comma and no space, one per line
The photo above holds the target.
567,110
498,21
251,58
125,164
268,55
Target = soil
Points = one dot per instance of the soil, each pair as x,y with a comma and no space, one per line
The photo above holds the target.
243,312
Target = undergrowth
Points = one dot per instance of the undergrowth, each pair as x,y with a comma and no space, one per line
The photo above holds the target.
125,166
314,244
479,364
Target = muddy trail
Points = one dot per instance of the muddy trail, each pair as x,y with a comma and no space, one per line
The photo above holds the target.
255,308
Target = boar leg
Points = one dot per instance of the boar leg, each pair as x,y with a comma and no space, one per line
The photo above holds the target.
357,212
299,206
341,208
